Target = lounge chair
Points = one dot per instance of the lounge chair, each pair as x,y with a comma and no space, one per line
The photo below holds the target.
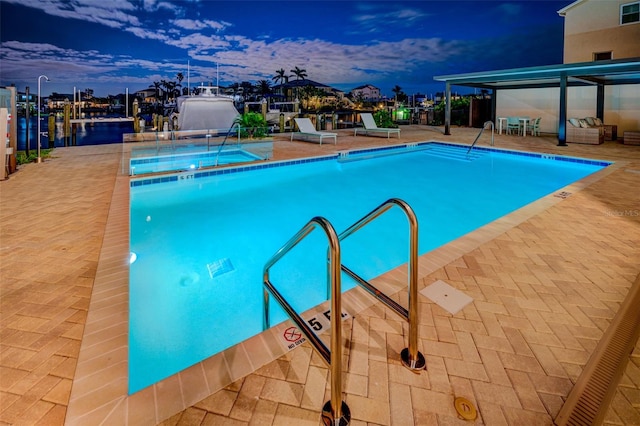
371,127
307,129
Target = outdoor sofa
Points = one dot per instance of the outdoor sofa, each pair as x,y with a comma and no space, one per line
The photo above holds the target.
578,131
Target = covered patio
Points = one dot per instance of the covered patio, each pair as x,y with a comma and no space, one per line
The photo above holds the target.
599,74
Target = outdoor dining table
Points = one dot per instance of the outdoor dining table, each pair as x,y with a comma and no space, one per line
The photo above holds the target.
500,121
524,121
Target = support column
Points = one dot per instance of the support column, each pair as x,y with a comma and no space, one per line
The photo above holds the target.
562,112
494,102
447,109
600,102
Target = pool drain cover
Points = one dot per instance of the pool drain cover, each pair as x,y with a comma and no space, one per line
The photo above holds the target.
465,408
220,267
447,297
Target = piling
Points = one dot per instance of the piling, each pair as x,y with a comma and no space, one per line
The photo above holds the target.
52,130
67,122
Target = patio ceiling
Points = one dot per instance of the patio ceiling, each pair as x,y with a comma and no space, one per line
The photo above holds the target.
612,72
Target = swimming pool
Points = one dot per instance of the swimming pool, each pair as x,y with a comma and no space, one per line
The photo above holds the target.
201,239
190,161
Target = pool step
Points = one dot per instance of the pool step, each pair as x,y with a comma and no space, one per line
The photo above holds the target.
452,152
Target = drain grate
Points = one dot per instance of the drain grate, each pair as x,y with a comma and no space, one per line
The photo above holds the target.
562,194
589,399
220,267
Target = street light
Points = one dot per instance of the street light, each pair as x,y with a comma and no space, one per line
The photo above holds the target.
39,160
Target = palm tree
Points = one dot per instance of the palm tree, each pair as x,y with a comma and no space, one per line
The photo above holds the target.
179,77
263,87
300,73
156,84
280,77
397,90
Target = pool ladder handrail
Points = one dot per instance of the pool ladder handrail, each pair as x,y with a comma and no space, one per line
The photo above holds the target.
410,356
484,126
335,411
225,141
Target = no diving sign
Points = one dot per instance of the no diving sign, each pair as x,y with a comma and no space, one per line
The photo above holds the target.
292,336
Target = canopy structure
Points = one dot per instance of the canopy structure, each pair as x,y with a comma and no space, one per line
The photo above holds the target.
599,74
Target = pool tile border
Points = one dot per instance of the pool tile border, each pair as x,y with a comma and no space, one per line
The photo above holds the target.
135,182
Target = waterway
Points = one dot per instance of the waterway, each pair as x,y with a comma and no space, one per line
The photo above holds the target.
86,134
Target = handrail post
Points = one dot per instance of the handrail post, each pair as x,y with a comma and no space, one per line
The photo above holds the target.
411,357
335,412
484,126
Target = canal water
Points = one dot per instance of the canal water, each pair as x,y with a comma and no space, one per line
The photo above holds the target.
86,134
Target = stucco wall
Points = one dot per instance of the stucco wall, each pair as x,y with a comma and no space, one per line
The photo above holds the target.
621,105
594,26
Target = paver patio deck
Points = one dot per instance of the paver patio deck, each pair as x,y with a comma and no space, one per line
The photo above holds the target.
546,282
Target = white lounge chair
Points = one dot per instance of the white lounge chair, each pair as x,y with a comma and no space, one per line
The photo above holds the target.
307,129
371,127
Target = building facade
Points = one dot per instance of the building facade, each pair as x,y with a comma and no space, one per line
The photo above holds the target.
600,30
366,92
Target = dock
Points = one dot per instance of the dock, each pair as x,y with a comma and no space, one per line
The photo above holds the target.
101,120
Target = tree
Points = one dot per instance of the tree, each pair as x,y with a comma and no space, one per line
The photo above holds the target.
280,77
299,73
179,77
397,90
310,93
156,84
263,87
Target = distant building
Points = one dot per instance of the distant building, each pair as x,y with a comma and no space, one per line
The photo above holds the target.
366,92
597,30
291,89
146,95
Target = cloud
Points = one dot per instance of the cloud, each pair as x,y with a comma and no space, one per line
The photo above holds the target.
195,25
112,13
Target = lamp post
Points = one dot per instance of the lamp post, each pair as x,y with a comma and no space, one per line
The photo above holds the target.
39,160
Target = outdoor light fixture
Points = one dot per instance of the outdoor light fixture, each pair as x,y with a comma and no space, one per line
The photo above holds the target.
39,160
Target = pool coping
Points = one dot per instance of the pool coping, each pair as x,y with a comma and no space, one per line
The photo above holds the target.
99,391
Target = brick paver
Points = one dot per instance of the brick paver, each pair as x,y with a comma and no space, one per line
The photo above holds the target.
544,291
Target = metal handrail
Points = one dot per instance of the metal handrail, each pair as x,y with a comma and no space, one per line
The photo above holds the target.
411,357
224,141
480,134
335,411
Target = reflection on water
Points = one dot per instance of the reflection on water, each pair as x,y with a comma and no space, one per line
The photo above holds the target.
85,134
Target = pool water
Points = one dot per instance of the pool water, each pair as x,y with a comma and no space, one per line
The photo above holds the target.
191,161
200,243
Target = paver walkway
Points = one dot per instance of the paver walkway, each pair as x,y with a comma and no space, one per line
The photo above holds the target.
545,288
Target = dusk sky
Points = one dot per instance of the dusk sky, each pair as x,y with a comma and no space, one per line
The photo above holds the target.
113,45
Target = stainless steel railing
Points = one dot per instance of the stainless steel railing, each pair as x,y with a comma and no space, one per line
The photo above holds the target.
484,126
411,357
335,411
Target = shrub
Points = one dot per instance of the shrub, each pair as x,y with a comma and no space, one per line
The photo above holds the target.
383,119
252,125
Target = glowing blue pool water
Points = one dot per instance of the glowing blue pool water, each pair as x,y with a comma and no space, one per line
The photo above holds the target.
201,240
191,161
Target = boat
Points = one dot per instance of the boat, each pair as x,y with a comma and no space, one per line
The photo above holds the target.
207,109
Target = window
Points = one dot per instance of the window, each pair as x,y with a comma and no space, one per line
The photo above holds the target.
601,56
629,13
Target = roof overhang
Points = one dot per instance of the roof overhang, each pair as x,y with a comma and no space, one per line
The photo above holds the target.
612,72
